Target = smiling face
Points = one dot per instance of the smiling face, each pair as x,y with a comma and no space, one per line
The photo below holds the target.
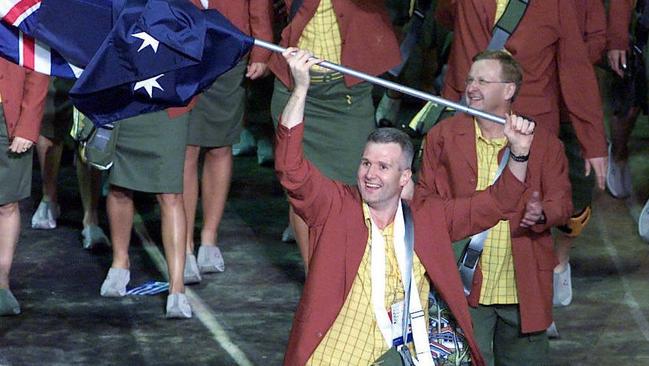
382,173
495,95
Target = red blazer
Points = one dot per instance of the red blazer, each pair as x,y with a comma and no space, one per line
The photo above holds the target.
591,20
449,169
23,95
619,21
338,236
368,41
252,17
549,46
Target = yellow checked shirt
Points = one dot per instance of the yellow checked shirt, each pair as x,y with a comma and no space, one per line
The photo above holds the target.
321,35
497,263
355,338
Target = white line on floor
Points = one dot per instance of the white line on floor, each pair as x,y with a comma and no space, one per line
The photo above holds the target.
629,299
199,308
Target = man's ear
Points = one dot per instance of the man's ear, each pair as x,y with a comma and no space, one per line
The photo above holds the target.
510,90
406,174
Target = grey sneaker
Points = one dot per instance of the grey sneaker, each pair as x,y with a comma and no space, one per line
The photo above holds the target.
618,177
265,155
93,237
178,307
45,215
8,303
288,236
387,111
246,145
210,259
643,222
552,331
562,287
115,283
191,274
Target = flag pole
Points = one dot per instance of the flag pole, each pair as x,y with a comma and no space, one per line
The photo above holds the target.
391,85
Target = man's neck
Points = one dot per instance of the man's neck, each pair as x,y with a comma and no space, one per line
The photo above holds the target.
491,130
383,216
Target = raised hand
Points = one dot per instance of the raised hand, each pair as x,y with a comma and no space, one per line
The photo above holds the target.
520,133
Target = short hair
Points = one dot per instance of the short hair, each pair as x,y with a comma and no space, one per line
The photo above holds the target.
511,70
388,135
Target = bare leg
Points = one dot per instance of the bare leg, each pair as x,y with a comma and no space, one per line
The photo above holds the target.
215,185
172,212
49,158
562,246
10,229
301,236
89,189
190,193
119,205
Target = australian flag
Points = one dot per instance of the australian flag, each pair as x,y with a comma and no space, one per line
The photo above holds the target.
159,54
16,45
153,54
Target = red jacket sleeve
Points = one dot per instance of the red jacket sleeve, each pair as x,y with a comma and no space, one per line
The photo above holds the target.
579,86
32,105
261,13
595,32
619,21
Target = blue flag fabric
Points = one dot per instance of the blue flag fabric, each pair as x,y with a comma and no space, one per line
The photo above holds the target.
159,54
74,28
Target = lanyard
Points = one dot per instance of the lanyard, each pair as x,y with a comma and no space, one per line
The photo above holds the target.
412,310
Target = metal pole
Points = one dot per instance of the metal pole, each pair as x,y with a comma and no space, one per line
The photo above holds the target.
391,85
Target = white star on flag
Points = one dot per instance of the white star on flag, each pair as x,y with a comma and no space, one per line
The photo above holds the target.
147,40
149,84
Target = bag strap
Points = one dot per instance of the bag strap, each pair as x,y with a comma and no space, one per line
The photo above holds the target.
410,245
471,255
507,24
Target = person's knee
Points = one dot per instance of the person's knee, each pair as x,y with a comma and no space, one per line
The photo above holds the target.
120,195
9,209
219,153
170,199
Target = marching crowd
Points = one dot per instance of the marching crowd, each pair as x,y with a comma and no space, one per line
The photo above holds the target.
459,261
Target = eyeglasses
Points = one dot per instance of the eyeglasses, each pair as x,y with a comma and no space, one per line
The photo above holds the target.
483,82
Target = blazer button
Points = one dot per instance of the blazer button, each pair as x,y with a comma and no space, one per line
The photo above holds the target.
319,334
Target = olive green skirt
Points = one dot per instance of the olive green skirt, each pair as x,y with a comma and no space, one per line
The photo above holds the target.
150,153
217,118
15,169
337,121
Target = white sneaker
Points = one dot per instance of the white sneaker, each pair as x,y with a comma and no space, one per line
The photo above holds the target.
562,287
618,177
46,215
288,236
93,237
552,331
210,259
178,307
115,283
643,222
387,110
191,274
246,145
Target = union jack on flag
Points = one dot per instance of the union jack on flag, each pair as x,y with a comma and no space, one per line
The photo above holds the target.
19,17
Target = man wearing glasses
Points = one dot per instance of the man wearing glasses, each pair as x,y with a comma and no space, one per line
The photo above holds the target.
510,290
